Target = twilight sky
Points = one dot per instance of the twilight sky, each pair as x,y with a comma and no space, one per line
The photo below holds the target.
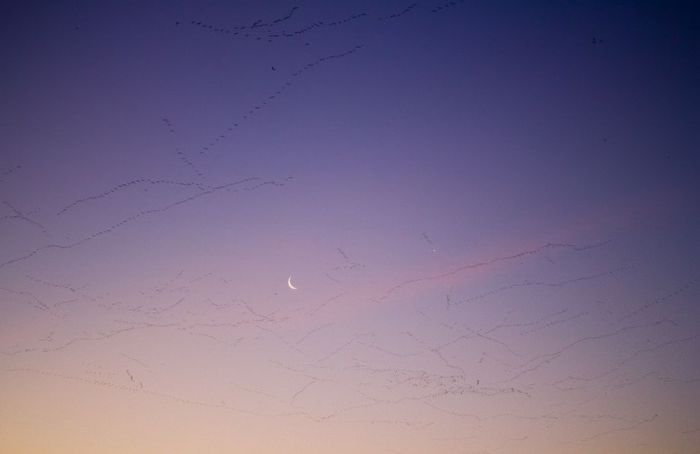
490,211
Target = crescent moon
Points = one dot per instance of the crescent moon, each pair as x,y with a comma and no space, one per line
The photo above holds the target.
289,283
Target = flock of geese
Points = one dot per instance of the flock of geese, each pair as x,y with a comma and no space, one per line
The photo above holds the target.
442,337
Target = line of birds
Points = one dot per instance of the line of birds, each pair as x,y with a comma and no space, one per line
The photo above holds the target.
250,32
235,186
406,10
256,24
255,109
447,5
9,171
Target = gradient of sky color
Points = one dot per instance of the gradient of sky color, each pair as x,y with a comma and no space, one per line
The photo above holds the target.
489,209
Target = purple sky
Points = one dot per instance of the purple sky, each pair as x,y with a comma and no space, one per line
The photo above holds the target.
489,209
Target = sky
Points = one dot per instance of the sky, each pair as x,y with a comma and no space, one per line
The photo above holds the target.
489,210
